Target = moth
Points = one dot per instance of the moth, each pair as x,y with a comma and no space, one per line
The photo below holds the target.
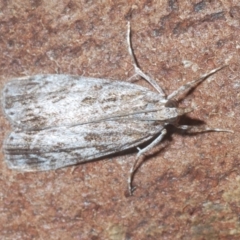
60,120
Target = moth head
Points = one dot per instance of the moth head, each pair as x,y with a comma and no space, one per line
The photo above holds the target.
172,112
171,104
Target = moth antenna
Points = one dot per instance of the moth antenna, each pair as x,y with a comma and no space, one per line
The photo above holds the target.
186,87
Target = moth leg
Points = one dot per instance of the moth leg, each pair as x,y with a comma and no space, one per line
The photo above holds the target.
133,78
139,160
186,87
199,129
138,71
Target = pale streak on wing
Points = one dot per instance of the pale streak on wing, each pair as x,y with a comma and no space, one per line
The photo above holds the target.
55,148
45,101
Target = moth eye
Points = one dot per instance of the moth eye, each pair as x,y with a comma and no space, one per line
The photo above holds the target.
171,104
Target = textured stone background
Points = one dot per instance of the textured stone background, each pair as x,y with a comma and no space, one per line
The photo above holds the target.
188,190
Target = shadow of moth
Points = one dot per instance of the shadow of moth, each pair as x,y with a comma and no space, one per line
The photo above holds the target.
61,120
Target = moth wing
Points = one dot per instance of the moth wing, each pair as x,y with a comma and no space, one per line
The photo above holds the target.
63,146
45,101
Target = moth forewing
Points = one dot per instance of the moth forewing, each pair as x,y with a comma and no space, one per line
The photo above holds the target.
59,147
45,101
